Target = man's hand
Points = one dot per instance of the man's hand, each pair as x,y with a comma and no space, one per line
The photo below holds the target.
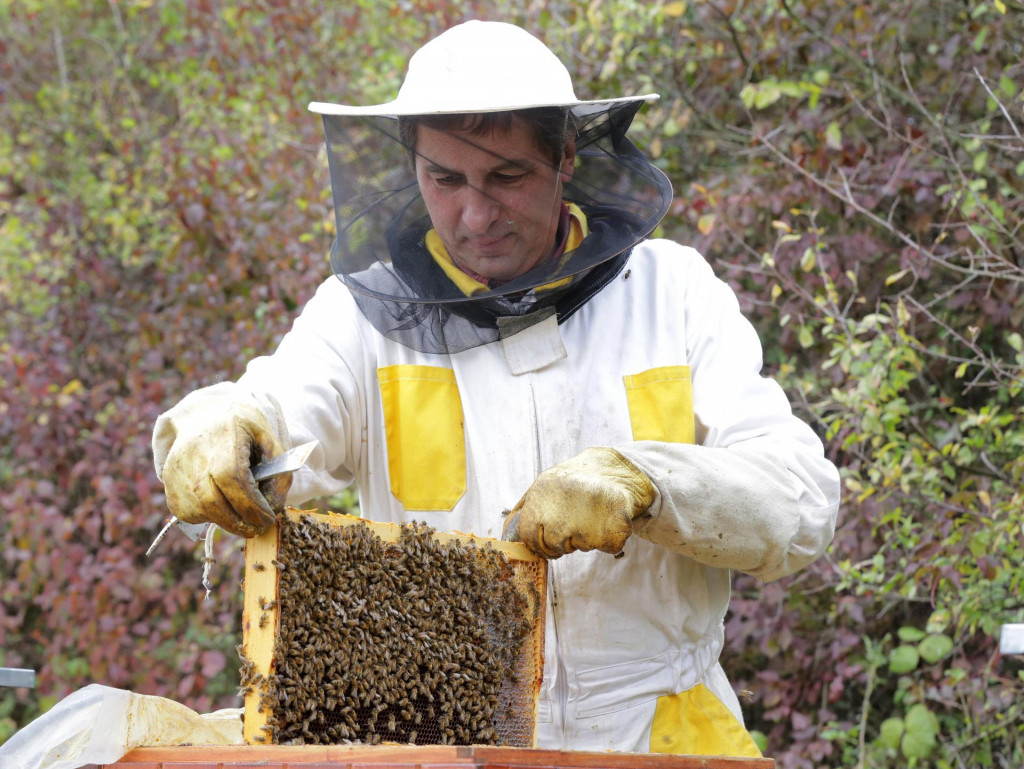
585,503
207,474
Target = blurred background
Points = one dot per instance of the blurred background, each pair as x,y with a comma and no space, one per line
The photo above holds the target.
853,169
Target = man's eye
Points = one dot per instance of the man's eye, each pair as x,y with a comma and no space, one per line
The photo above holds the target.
445,181
509,178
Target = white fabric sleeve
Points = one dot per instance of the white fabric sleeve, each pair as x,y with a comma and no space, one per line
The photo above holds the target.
308,389
737,508
318,376
757,493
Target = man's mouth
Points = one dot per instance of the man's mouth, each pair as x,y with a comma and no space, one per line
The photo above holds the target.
490,244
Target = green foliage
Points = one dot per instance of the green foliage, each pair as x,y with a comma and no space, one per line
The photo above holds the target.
853,169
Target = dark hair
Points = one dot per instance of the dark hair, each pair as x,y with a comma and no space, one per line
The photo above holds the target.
552,127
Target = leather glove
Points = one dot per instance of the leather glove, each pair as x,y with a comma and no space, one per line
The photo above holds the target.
585,503
207,474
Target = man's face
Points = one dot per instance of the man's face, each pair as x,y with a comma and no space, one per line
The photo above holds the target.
494,198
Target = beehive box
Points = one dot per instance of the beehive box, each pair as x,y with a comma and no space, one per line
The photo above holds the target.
414,757
357,632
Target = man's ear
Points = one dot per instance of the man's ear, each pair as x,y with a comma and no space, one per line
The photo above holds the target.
568,164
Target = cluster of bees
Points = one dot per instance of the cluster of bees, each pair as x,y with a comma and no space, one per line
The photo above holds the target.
409,641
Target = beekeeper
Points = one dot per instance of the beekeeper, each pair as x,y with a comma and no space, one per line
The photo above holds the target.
505,335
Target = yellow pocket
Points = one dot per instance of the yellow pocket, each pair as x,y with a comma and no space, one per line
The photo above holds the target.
696,723
661,404
426,443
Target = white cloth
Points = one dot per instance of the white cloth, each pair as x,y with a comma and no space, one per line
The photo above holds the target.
99,724
756,494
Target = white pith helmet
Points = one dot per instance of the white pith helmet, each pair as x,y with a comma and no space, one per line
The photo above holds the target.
480,66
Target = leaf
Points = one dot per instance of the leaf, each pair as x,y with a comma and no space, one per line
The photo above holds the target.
834,136
902,313
766,94
706,223
791,89
896,276
674,9
807,261
920,720
903,659
815,95
921,728
747,95
890,732
980,39
917,745
935,647
938,621
910,634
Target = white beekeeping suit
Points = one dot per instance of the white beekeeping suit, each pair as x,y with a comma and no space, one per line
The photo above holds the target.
610,394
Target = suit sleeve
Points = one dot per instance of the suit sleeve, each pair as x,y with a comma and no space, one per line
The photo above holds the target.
310,388
756,493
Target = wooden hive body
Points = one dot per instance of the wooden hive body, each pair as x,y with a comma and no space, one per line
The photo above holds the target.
415,757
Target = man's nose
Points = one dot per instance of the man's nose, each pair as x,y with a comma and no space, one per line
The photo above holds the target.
479,211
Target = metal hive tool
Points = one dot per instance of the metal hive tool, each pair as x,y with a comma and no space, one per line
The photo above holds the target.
361,632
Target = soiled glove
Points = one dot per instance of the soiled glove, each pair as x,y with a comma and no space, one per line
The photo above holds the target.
207,474
585,503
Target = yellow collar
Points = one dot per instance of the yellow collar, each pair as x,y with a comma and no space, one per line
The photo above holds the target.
578,230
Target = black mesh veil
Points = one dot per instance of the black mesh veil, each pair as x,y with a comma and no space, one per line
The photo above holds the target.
381,254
